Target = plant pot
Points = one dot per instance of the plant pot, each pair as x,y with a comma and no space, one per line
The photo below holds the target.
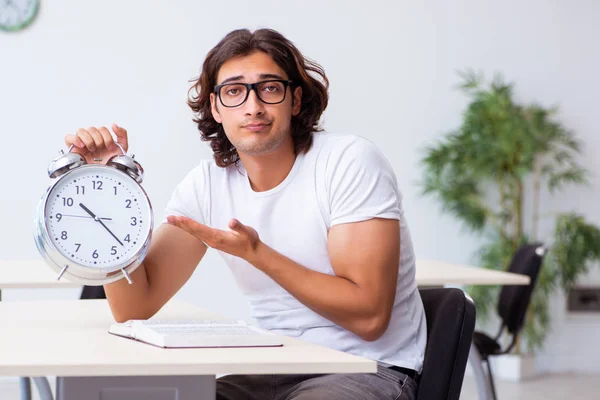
513,367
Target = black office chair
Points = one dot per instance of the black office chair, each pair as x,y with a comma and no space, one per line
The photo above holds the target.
450,315
512,306
92,292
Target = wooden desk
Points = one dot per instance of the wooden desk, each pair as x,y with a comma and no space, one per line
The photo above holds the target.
30,274
438,273
36,274
70,339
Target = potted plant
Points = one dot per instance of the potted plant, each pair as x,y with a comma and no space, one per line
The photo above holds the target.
500,157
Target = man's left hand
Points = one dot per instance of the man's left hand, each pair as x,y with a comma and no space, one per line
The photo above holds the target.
241,241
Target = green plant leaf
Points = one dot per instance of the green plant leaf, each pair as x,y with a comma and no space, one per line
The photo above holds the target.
576,247
572,175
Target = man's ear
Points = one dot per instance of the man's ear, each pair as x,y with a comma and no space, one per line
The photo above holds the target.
297,101
213,108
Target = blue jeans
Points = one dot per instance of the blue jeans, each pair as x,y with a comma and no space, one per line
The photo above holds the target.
385,384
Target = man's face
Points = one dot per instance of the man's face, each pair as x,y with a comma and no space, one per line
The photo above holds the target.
255,127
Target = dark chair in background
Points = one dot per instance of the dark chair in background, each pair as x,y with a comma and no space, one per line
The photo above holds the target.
450,315
92,292
512,307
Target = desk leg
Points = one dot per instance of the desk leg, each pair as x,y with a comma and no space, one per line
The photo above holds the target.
43,388
25,385
481,379
137,388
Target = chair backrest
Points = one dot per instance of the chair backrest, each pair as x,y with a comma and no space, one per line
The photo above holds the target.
92,293
514,299
450,318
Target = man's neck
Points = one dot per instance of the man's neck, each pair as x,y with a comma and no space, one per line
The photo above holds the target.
266,171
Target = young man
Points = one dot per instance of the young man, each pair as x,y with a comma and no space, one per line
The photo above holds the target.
310,224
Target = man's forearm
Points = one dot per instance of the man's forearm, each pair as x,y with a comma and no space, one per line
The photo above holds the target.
128,301
335,298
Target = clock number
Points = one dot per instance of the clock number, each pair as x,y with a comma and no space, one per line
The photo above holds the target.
78,246
128,203
80,188
95,254
115,190
127,239
58,216
67,201
113,250
133,221
63,235
97,185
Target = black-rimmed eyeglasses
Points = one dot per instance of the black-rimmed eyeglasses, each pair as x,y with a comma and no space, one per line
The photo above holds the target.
271,91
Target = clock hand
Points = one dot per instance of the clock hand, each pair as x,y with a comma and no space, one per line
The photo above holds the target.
102,223
85,216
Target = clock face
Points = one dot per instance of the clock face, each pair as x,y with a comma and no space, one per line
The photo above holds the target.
17,14
98,217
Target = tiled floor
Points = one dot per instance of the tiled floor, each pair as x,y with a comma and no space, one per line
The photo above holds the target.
547,387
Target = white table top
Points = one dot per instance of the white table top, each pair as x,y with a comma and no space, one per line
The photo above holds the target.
30,274
36,274
70,338
438,273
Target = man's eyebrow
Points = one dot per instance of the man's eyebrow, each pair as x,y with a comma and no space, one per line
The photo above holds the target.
233,78
271,76
261,76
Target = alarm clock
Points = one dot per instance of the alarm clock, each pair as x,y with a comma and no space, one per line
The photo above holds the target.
17,14
94,223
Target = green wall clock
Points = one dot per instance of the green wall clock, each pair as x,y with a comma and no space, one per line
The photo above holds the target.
17,14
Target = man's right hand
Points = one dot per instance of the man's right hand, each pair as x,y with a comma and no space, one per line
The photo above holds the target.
97,143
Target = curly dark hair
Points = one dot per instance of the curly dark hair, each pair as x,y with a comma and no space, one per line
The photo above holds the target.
242,42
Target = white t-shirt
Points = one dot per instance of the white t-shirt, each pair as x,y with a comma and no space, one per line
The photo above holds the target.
341,179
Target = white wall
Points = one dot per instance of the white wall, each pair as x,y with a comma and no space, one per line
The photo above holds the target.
95,62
